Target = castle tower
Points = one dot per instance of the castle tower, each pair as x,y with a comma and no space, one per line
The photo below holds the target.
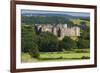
54,31
77,31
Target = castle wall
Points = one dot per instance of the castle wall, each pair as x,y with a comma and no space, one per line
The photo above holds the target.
61,30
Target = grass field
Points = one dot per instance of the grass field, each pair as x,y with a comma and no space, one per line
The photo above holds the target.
58,56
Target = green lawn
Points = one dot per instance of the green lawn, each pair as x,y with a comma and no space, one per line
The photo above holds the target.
58,56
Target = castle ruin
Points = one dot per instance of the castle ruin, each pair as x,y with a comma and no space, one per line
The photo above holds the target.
59,30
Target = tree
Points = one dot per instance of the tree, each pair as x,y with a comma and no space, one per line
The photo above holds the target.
84,39
68,43
28,40
85,35
82,43
47,42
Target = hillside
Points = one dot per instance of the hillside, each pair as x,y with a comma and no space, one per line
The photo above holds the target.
52,19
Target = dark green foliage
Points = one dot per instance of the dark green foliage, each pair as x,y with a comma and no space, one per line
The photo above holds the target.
84,39
83,22
28,40
68,43
85,35
85,57
27,37
83,43
47,42
34,52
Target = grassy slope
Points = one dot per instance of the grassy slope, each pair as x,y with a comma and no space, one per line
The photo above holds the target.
58,56
77,21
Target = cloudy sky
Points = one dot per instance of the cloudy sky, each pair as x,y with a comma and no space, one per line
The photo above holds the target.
55,12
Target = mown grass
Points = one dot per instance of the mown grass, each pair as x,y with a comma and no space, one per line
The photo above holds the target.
75,54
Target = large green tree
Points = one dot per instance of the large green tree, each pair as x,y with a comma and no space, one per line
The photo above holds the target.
47,42
84,38
67,43
28,40
83,44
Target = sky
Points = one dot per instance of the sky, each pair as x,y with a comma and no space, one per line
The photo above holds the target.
55,12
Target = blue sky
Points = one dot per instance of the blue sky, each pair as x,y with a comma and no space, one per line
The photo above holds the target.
55,12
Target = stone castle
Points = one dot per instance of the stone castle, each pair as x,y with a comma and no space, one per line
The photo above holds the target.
60,30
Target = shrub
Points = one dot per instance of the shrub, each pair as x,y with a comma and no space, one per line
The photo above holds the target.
60,57
34,52
85,57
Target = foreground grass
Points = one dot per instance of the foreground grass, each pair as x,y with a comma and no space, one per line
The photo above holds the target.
58,56
25,57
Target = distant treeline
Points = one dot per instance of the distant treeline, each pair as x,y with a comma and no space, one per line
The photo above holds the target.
49,20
